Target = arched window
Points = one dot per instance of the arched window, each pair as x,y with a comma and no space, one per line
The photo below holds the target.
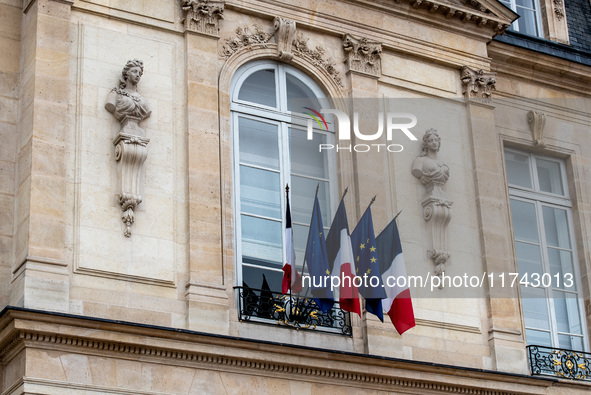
270,150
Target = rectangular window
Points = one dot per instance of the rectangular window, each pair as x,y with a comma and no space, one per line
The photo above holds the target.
529,17
545,249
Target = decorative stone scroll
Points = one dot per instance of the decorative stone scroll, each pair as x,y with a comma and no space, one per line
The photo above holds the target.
245,39
537,121
363,55
433,174
478,85
203,16
285,31
129,108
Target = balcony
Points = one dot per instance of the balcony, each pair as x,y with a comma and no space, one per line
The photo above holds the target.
297,312
556,362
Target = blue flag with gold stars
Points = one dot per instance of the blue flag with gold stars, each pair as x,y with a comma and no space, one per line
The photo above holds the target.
317,259
367,265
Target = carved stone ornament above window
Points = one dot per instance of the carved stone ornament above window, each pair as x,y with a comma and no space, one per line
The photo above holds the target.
477,85
362,55
202,16
285,31
246,39
537,121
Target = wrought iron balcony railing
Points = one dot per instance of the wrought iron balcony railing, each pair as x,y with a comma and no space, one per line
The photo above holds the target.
264,306
556,362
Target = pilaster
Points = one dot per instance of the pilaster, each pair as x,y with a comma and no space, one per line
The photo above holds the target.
40,275
506,337
207,299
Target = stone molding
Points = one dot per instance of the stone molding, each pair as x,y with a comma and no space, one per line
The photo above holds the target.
202,16
362,55
28,3
246,40
83,336
537,122
477,84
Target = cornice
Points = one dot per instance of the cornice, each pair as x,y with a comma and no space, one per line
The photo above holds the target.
82,335
536,67
391,41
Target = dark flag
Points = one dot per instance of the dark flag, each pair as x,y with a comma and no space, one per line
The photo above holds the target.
317,259
367,265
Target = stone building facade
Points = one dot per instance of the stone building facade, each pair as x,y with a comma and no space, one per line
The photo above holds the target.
123,228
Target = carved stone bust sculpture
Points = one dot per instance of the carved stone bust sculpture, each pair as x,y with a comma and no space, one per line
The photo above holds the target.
130,108
125,101
432,173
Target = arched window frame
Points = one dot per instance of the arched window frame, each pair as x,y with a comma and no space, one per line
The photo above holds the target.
278,115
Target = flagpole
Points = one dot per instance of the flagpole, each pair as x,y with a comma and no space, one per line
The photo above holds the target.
287,252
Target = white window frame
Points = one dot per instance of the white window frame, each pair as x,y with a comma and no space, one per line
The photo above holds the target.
542,199
285,119
537,12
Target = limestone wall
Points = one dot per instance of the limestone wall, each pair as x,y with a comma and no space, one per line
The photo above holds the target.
62,241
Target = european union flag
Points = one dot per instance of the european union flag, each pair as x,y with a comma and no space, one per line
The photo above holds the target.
317,259
366,262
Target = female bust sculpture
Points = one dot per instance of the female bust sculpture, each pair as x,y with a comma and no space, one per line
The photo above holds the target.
431,172
125,101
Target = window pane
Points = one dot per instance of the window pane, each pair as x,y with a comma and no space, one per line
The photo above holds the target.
567,313
300,238
525,224
556,225
518,169
570,342
549,176
538,338
525,3
299,95
535,308
302,201
262,239
305,156
260,192
527,22
253,278
259,88
561,263
528,258
258,143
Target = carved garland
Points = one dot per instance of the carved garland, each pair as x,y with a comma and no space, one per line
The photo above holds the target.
27,338
287,46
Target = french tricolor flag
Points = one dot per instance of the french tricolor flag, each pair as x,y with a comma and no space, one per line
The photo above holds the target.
291,278
397,304
340,254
